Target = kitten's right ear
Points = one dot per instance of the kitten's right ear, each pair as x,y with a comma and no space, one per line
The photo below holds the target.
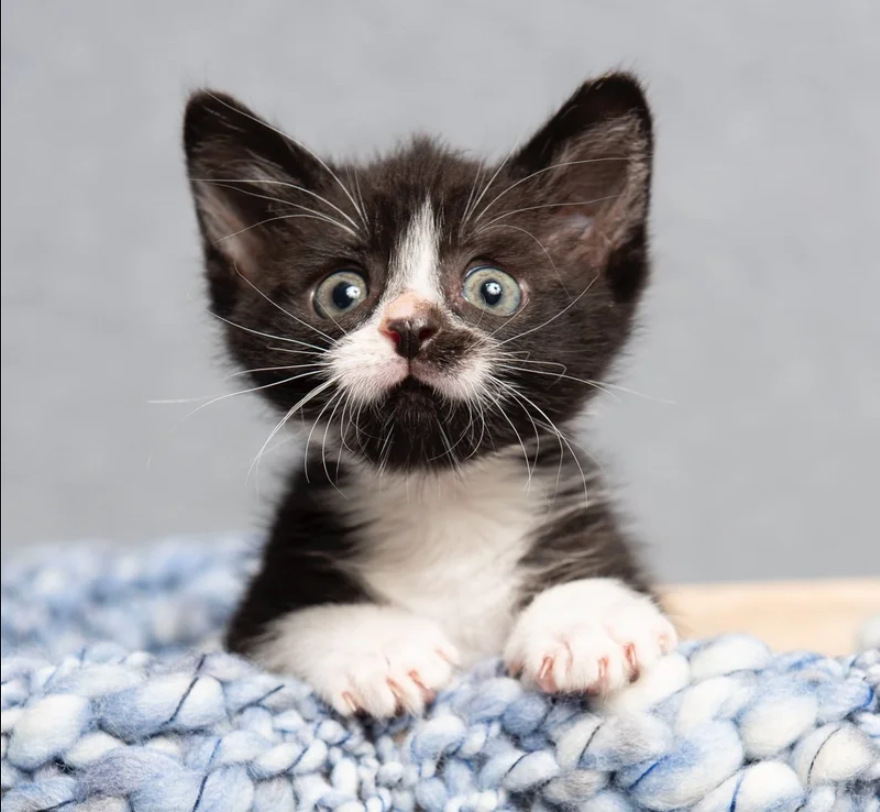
589,171
243,173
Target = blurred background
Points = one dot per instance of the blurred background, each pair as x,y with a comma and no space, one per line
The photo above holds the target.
761,328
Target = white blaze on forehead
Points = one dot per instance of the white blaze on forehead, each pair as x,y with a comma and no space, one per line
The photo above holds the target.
414,265
365,361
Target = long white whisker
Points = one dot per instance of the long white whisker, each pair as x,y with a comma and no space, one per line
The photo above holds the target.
300,352
297,144
543,248
499,405
238,373
605,384
548,206
558,375
290,413
283,310
247,391
283,201
268,220
284,184
312,430
467,208
267,335
492,180
360,197
571,304
535,174
339,397
556,431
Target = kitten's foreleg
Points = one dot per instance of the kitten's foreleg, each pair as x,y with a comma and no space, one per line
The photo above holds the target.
589,622
306,614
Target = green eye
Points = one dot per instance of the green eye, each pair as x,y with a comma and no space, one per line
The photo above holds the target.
340,293
492,290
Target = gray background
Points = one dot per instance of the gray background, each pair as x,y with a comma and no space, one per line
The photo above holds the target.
762,325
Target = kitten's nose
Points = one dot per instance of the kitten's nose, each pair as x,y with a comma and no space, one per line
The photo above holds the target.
410,324
411,335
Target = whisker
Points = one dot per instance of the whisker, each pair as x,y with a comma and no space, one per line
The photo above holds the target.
558,375
297,144
458,442
477,175
606,384
543,248
284,184
290,413
554,428
548,206
298,352
529,470
213,398
535,174
360,197
240,372
492,180
450,450
341,398
282,217
571,304
269,385
266,335
283,310
312,430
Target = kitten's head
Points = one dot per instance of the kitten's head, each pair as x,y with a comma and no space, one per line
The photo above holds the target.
426,307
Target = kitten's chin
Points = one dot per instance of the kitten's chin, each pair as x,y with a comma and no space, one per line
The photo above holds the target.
412,392
413,428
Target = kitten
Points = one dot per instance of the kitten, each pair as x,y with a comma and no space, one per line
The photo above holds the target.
437,325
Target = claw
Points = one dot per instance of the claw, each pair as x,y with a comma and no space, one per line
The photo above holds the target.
633,661
445,655
545,677
601,682
350,702
416,678
395,689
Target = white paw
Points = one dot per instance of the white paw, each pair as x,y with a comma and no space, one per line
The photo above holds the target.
362,658
596,636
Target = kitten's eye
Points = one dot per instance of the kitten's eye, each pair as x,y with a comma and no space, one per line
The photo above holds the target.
340,293
492,290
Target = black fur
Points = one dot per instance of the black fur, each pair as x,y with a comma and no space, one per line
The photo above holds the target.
567,216
301,563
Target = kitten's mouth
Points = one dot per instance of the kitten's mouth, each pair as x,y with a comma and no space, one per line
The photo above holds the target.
413,388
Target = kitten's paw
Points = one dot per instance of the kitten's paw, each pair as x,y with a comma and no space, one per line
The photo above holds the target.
595,636
362,658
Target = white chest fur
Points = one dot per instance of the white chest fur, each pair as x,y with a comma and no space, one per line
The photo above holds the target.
446,546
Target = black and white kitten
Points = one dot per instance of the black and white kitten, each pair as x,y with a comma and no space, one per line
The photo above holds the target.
437,324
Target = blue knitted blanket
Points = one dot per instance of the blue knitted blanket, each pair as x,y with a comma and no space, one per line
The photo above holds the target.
115,696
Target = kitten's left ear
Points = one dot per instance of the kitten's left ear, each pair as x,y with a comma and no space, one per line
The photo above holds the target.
589,169
245,176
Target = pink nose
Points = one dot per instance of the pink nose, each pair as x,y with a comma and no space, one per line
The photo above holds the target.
410,323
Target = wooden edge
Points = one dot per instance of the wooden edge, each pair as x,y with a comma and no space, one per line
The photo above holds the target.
822,616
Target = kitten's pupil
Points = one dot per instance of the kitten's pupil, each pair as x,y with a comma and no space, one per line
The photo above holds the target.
345,294
491,291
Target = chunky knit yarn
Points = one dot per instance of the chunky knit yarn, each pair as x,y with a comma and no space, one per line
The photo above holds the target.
115,696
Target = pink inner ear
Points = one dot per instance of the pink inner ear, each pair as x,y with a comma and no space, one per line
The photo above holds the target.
225,229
